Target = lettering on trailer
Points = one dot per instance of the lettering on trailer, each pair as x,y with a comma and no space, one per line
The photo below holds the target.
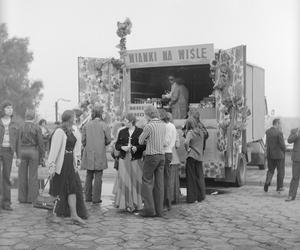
183,55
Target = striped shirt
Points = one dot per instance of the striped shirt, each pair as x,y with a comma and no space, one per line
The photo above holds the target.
154,136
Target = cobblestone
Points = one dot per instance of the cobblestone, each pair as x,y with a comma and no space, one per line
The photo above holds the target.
242,218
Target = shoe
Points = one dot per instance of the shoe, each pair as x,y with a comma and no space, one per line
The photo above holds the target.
97,202
266,187
143,214
7,208
78,221
290,198
280,190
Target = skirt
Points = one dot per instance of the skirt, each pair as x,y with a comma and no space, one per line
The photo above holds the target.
128,184
66,183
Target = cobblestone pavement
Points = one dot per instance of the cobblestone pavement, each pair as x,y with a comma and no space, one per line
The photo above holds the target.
241,218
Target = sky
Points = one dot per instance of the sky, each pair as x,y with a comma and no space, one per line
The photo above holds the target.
61,30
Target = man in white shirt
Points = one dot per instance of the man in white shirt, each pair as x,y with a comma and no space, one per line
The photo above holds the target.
170,139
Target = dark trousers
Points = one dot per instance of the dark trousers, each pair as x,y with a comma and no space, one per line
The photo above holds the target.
28,175
295,179
167,181
6,157
153,184
93,192
195,182
272,165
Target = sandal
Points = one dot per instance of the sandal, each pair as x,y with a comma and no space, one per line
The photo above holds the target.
78,223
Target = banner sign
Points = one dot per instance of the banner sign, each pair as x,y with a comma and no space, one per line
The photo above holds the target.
181,55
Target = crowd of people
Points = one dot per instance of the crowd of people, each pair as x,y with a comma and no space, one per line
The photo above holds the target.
147,181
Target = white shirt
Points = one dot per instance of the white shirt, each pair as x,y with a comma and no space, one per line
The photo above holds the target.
170,138
6,142
78,145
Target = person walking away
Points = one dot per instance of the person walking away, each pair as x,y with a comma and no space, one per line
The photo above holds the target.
294,138
9,147
275,155
195,181
65,181
32,155
169,144
130,172
95,137
153,171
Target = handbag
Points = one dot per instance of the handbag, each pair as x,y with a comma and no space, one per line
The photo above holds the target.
43,172
45,200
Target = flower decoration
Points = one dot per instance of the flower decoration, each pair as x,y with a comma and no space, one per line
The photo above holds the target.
226,72
123,30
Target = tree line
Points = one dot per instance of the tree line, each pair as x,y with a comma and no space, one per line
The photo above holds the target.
15,86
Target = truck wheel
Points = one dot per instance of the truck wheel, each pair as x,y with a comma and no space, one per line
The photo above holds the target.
241,171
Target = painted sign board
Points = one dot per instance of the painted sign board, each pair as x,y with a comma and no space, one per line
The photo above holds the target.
170,56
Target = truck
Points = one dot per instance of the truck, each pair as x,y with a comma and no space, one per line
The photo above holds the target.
227,92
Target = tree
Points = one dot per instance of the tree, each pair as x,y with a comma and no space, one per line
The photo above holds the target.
14,67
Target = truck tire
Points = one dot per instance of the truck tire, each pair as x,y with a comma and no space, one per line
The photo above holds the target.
241,171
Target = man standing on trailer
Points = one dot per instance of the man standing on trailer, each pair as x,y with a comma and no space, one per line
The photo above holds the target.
295,138
275,155
153,171
178,97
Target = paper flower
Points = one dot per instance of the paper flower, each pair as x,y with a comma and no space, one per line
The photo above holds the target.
124,28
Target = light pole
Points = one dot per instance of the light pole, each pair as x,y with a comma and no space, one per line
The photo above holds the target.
56,107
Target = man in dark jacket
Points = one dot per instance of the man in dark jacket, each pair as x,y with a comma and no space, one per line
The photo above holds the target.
295,138
95,137
9,146
275,155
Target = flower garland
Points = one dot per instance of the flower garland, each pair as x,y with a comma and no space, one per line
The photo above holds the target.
226,72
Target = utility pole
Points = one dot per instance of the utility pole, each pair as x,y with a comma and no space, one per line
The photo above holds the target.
56,107
56,111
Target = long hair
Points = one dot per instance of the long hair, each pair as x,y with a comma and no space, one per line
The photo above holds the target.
66,117
190,124
97,112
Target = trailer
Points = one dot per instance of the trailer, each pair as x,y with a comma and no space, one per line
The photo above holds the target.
226,91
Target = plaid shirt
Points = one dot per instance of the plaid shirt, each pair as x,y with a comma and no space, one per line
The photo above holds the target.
154,136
